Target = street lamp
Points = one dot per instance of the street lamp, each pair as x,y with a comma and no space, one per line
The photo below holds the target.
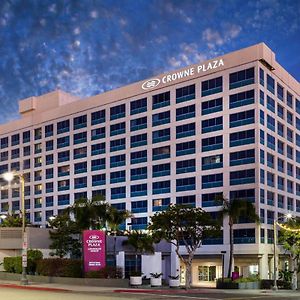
9,176
275,222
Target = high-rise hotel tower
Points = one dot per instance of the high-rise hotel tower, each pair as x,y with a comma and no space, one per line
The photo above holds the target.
230,126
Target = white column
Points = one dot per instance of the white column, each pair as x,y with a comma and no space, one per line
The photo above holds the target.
175,263
226,263
151,264
120,261
264,266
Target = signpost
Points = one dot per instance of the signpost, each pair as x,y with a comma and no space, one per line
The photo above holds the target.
94,256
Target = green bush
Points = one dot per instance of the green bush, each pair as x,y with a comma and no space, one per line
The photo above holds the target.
60,267
14,264
106,272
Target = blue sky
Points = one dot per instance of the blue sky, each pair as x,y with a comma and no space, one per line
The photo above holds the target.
86,47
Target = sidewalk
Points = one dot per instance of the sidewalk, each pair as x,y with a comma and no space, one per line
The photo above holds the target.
60,288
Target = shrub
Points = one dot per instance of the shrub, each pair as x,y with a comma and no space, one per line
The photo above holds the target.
268,284
106,272
60,267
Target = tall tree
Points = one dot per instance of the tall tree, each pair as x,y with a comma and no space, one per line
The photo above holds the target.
114,219
141,242
65,237
90,213
290,239
236,209
184,226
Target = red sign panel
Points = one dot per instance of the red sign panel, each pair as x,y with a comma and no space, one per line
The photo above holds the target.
93,250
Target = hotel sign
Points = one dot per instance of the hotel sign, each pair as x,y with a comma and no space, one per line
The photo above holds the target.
154,82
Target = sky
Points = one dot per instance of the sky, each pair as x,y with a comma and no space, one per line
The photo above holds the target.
87,47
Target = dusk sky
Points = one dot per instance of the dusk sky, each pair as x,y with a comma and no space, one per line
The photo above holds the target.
87,47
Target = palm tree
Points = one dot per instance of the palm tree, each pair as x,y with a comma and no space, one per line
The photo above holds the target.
114,219
141,242
90,213
236,209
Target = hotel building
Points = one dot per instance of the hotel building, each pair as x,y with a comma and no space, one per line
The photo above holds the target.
230,126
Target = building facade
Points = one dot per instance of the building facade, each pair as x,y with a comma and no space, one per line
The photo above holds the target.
227,126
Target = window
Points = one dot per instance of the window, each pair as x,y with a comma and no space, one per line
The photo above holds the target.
49,130
186,166
212,86
161,118
4,142
26,137
185,184
118,176
117,145
161,135
241,99
138,173
38,189
118,128
185,93
63,185
117,161
242,177
37,133
189,200
15,139
117,112
212,106
212,162
185,148
98,117
290,135
98,164
242,157
99,179
280,147
63,142
49,159
262,98
242,138
212,143
98,133
271,123
49,145
80,153
63,171
140,156
270,160
280,129
15,153
211,199
138,124
118,192
270,84
280,165
98,149
138,140
160,204
63,126
289,117
49,173
138,190
262,117
280,201
248,194
289,99
79,138
279,92
161,170
63,199
185,112
80,167
139,206
261,76
298,106
185,130
244,236
138,106
80,182
270,142
161,187
280,183
161,100
242,118
270,179
290,152
211,181
241,78
271,104
139,223
214,124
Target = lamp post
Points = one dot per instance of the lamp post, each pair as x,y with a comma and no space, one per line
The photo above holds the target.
275,222
9,176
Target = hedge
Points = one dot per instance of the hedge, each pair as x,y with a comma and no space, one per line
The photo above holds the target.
107,272
14,264
60,267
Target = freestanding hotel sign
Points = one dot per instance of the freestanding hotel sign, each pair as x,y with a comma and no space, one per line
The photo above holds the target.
94,255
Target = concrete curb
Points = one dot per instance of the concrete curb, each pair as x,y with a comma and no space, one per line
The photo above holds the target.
35,288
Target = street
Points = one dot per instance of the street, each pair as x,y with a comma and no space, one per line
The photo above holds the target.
20,293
